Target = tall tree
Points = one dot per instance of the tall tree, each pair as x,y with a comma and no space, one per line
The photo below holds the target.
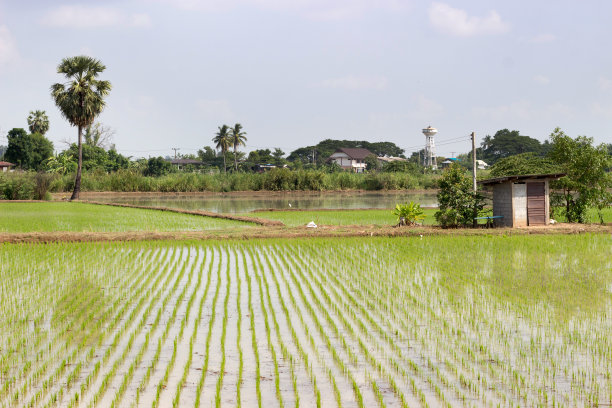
80,99
98,135
587,181
29,151
38,122
223,141
238,139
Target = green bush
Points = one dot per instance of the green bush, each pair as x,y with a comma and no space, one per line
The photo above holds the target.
17,186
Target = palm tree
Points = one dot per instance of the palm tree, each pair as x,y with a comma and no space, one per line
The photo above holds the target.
238,138
38,122
80,99
223,141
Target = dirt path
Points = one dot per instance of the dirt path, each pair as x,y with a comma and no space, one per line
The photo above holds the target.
294,232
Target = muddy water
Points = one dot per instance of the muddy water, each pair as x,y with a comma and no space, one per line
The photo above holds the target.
245,202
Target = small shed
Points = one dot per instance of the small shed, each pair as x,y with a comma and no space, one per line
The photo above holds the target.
5,166
521,201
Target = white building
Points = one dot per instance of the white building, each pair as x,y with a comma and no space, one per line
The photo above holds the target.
350,158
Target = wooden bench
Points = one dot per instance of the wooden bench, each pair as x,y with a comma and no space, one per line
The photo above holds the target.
490,219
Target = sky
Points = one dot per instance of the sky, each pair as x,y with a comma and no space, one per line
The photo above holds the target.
295,72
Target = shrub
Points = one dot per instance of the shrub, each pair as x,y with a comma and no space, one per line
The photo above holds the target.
459,204
17,186
408,214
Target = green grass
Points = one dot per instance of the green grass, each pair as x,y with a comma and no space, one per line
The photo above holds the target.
592,216
64,216
338,217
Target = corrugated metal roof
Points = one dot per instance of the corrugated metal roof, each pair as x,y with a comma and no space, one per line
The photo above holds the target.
521,177
5,164
355,153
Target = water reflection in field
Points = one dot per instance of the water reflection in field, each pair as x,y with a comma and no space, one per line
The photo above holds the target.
231,203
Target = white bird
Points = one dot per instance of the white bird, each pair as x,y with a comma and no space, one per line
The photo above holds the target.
289,205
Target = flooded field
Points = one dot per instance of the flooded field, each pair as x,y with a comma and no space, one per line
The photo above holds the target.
395,322
242,203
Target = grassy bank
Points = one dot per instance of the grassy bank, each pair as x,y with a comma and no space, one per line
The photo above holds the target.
338,217
26,185
54,216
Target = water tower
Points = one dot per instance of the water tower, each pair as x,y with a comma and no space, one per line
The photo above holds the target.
430,147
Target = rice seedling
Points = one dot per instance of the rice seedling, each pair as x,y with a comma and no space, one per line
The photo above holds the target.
443,321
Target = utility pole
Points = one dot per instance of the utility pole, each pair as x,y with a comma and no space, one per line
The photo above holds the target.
475,213
474,160
175,150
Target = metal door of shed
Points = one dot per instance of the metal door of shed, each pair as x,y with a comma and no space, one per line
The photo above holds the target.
536,204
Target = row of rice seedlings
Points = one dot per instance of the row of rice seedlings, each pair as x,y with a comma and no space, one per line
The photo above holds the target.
271,348
253,335
305,327
287,356
442,378
350,330
46,348
437,372
128,376
58,394
366,332
536,363
343,366
384,345
177,399
211,322
162,383
175,274
223,334
134,293
302,353
239,333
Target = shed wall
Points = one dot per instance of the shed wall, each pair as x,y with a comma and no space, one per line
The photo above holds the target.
502,204
519,192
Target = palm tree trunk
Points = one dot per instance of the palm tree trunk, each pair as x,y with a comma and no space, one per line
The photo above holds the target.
235,159
224,165
77,182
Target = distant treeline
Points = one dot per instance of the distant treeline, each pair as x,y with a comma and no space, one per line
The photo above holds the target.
29,185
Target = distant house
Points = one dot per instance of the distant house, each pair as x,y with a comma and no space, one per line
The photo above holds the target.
350,158
5,166
448,162
182,163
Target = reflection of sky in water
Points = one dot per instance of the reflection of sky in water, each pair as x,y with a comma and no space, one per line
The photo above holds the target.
235,204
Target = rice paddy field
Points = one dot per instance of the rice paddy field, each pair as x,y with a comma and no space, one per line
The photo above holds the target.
353,322
66,216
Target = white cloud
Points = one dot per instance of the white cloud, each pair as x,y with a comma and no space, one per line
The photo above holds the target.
605,84
515,110
426,109
523,110
8,49
602,110
543,38
353,83
218,110
541,79
78,16
312,9
449,20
